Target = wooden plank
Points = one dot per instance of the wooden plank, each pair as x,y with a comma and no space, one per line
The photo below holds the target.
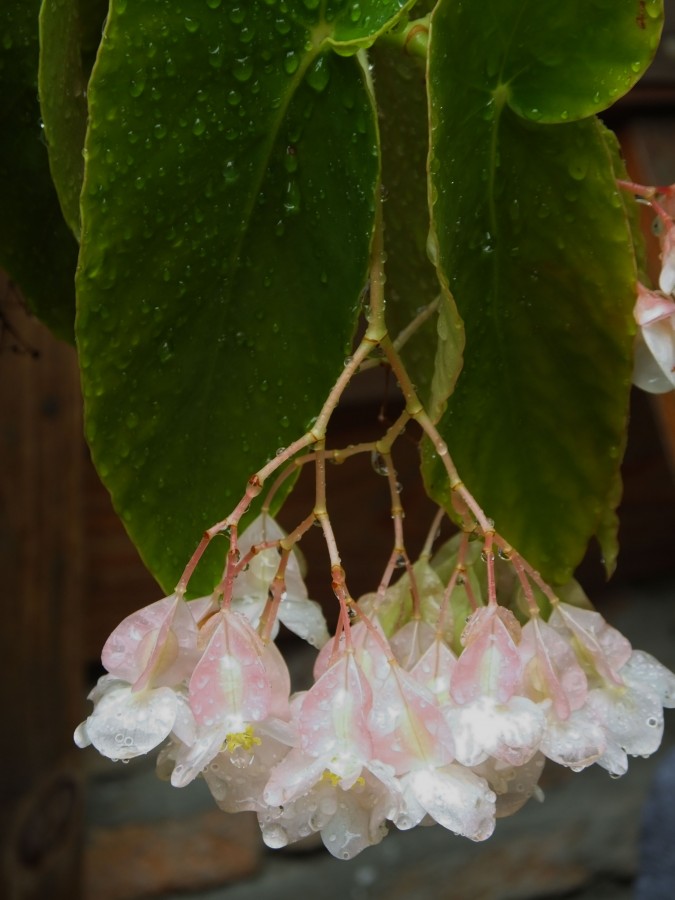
40,647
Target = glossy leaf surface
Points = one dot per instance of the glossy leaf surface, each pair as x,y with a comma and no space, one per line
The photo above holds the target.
69,34
534,240
228,209
36,248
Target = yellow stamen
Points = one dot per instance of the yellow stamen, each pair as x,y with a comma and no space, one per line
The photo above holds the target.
244,739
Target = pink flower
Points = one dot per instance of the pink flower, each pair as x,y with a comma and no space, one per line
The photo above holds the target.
331,781
491,716
137,705
654,369
239,685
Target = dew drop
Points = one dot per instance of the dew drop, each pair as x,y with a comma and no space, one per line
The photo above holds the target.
319,75
242,69
291,62
275,836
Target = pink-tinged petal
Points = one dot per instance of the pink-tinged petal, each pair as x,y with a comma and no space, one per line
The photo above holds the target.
434,671
652,306
644,673
410,642
598,645
332,719
126,723
407,727
551,668
201,607
510,732
373,652
279,679
154,646
230,684
455,798
329,655
490,663
305,618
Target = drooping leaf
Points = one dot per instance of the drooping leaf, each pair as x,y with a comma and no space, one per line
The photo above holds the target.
533,238
36,248
69,34
433,354
228,208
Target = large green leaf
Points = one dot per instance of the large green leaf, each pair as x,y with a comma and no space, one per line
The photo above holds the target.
36,247
534,240
70,31
227,214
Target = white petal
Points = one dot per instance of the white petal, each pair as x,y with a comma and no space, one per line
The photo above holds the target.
510,731
304,618
456,799
81,736
647,373
644,672
125,724
577,742
632,718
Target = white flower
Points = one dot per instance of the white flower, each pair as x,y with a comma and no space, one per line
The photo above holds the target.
298,613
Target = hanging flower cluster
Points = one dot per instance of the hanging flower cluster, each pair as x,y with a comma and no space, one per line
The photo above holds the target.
439,696
432,703
655,309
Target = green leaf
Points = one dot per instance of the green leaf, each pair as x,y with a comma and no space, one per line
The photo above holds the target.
227,213
607,533
36,247
533,238
557,61
69,35
433,354
356,25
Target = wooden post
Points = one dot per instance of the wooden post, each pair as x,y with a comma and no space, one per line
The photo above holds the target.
41,451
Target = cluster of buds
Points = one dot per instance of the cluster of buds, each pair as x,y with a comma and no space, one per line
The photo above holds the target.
654,312
432,702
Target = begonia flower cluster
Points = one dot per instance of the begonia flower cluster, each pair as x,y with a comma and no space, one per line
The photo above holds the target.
412,718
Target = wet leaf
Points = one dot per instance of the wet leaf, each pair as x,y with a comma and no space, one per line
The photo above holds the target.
227,214
69,35
36,248
534,240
